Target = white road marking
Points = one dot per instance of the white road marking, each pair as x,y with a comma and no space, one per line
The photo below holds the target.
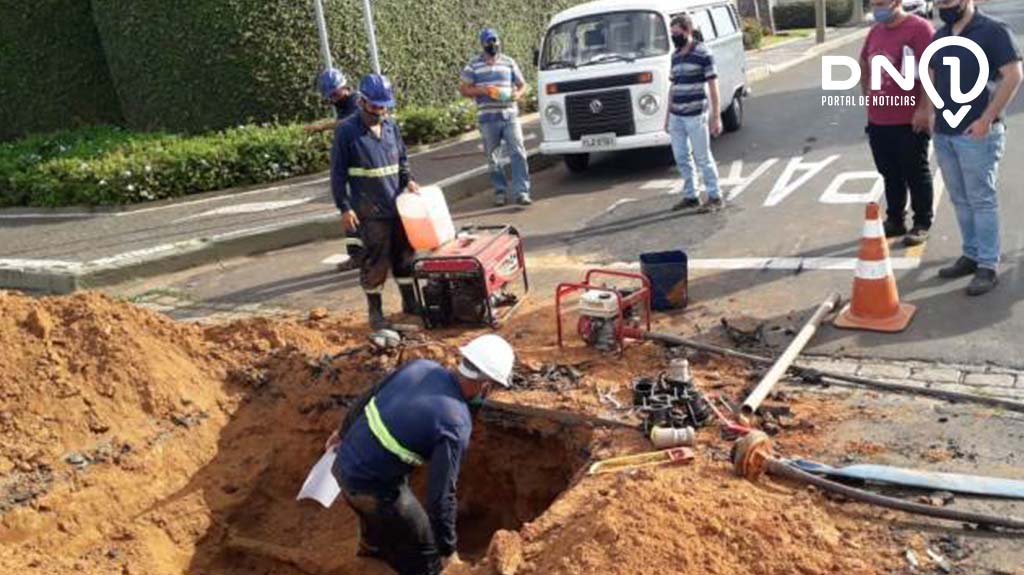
250,208
335,259
736,175
834,195
780,264
661,184
785,185
620,202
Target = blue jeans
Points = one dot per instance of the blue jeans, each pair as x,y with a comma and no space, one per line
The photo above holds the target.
494,131
690,135
970,168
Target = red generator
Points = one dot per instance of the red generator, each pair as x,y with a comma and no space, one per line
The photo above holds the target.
469,280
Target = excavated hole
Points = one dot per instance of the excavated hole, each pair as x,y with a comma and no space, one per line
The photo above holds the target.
511,475
514,470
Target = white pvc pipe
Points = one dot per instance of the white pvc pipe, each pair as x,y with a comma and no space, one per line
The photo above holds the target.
781,366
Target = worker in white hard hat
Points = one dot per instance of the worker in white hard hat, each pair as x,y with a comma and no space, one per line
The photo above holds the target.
419,414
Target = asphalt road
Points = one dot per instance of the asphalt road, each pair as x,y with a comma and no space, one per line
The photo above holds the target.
797,176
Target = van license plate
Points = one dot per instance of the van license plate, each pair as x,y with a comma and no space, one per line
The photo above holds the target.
598,141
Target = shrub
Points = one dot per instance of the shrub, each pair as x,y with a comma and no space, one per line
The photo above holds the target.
800,13
753,34
428,124
223,62
53,73
105,165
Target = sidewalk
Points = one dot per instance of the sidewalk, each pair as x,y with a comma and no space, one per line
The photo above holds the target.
61,251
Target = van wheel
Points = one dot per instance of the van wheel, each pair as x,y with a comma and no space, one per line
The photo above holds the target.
732,119
577,162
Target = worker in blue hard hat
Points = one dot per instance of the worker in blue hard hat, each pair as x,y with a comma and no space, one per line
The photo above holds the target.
419,414
496,83
335,91
369,169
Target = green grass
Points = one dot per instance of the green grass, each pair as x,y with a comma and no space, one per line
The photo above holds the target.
786,36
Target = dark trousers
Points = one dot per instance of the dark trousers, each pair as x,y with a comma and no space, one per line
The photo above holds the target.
399,528
901,156
354,246
385,249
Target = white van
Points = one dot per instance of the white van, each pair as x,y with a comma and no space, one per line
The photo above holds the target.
604,67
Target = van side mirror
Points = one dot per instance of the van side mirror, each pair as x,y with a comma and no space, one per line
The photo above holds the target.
536,57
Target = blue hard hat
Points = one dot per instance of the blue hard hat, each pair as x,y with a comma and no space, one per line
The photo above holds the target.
376,89
330,80
488,35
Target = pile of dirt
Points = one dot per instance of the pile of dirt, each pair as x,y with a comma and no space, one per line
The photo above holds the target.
700,519
136,445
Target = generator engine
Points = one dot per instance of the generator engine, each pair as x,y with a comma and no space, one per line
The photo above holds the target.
608,315
470,280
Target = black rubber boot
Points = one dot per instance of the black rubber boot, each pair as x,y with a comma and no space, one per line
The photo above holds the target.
375,308
409,303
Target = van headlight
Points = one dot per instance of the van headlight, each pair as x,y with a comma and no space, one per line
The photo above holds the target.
649,104
553,114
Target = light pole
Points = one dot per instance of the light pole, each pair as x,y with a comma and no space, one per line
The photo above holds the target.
858,12
819,17
321,27
371,35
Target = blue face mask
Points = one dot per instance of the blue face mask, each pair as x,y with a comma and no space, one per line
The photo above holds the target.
884,15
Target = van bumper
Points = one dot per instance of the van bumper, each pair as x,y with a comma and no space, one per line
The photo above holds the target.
650,140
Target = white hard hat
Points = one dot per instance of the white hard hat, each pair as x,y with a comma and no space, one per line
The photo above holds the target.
491,356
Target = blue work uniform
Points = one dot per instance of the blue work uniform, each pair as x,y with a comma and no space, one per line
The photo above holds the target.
345,108
375,169
367,175
422,408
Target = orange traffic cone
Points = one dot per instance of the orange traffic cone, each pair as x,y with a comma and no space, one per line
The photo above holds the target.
875,305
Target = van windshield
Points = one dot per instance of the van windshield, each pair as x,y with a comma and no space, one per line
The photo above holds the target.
610,37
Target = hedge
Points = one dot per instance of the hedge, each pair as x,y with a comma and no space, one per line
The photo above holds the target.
222,62
102,165
800,13
53,73
107,165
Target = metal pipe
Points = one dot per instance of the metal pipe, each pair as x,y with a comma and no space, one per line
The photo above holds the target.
371,36
836,378
321,27
771,379
783,469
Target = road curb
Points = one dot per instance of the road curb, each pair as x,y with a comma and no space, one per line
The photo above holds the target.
58,277
762,72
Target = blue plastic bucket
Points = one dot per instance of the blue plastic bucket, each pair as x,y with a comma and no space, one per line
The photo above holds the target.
668,273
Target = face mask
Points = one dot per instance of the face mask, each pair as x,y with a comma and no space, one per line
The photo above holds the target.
477,402
491,49
372,119
884,15
680,40
951,15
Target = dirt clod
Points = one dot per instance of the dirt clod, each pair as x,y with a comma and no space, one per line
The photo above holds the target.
506,552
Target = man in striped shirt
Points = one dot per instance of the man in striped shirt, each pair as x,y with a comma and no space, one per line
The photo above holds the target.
691,122
495,82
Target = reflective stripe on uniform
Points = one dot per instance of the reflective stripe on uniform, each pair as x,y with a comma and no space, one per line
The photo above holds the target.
404,281
380,431
373,172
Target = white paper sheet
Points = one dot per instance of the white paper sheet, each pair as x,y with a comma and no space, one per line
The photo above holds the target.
320,485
